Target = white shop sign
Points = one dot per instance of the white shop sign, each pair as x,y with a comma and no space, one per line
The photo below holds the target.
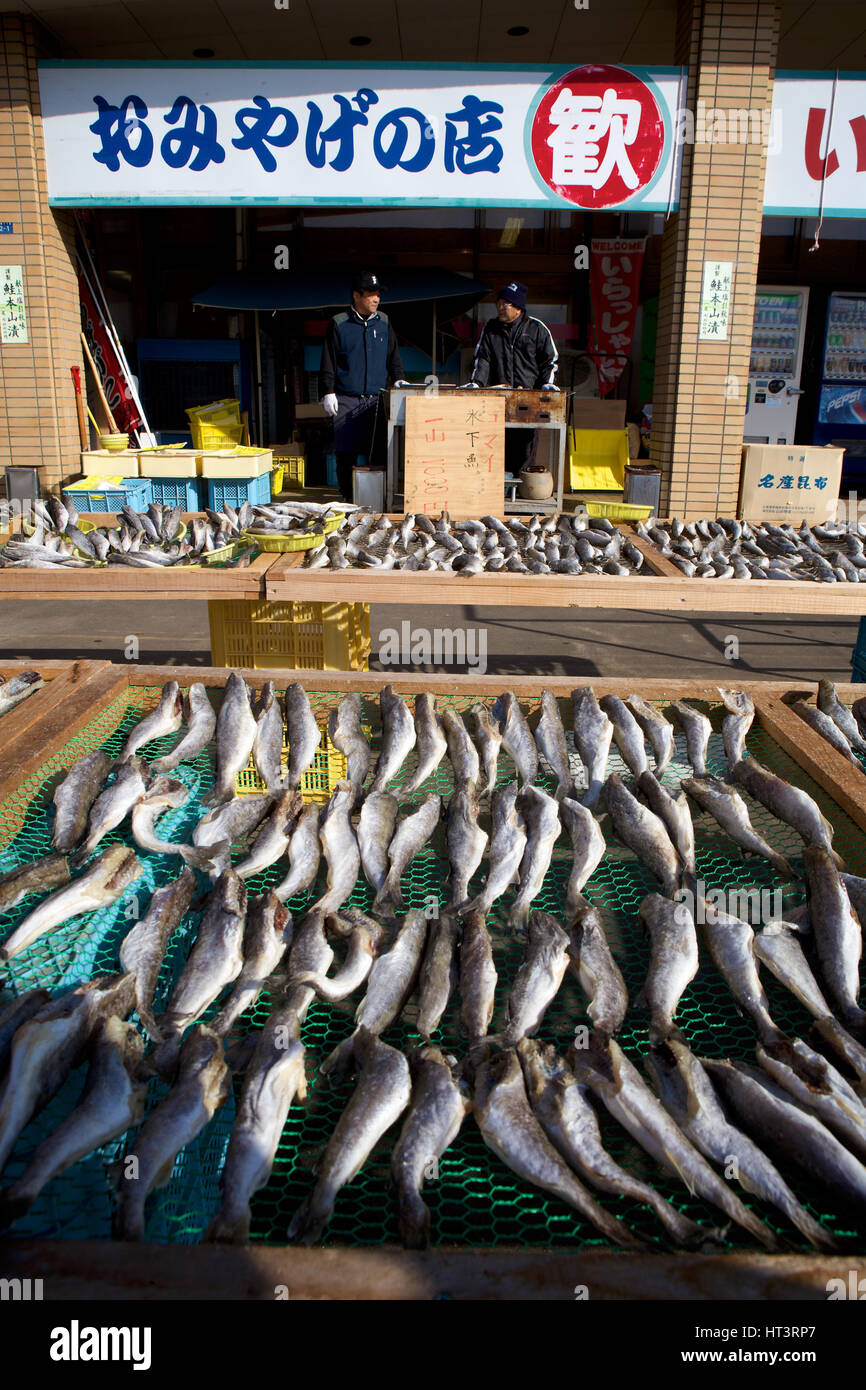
593,136
817,136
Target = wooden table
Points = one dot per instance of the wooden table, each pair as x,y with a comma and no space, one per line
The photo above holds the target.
658,587
124,582
103,1270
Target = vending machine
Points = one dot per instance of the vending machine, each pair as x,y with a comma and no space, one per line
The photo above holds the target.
841,416
778,330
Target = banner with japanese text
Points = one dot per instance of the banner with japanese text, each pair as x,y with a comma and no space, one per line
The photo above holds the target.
114,383
596,136
817,146
615,267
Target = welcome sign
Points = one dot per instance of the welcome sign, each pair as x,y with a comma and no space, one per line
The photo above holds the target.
592,136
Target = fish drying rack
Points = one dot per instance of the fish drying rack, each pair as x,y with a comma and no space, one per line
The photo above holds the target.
476,1202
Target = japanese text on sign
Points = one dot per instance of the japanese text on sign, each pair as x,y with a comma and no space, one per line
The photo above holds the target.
821,160
359,133
402,138
614,279
455,451
716,300
803,481
13,315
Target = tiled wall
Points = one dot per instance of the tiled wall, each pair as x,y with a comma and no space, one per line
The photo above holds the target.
699,402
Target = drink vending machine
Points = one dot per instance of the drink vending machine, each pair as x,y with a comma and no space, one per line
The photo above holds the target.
841,417
778,330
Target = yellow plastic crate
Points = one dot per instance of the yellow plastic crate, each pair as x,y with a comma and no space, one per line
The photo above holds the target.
619,511
317,783
277,475
597,459
208,435
291,636
293,471
359,636
228,407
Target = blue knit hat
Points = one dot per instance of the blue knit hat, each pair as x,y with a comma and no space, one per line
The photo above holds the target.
514,293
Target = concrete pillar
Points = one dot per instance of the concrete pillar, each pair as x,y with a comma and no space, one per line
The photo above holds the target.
38,422
699,400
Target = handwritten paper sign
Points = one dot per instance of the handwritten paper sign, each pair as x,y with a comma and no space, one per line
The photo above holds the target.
716,300
13,316
455,454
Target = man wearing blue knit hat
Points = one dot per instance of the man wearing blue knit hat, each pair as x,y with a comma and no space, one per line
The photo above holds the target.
515,350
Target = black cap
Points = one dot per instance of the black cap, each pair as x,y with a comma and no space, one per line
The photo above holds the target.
367,281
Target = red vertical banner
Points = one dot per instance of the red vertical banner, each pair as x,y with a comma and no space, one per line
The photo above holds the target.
615,267
114,383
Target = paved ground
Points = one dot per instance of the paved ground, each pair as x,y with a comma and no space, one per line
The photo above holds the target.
523,640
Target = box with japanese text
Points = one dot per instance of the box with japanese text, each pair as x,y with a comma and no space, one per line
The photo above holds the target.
789,482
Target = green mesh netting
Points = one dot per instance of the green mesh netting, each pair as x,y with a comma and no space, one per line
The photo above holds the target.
476,1200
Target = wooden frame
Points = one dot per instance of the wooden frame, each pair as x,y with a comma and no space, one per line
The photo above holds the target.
106,1270
663,589
41,724
110,1270
282,578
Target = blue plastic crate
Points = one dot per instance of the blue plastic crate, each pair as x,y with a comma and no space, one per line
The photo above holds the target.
178,492
133,491
238,490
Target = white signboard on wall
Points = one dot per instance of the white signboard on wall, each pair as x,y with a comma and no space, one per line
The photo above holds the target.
716,300
819,138
596,136
13,314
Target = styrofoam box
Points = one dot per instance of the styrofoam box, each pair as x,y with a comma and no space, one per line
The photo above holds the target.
170,463
100,463
215,465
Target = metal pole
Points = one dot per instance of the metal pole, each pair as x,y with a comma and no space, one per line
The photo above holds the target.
433,353
261,422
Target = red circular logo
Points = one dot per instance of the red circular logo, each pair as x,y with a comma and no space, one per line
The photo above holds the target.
598,136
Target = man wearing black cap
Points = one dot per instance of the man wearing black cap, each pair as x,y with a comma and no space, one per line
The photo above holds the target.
359,357
517,351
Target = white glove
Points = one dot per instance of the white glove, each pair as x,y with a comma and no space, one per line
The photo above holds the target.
401,382
330,403
471,385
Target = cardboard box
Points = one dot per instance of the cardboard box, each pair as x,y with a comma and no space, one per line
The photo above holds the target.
238,463
790,482
100,463
170,463
597,415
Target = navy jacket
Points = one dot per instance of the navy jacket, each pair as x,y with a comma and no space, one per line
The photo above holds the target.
359,355
522,353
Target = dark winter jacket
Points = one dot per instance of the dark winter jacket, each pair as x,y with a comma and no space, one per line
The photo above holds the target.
522,353
359,355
